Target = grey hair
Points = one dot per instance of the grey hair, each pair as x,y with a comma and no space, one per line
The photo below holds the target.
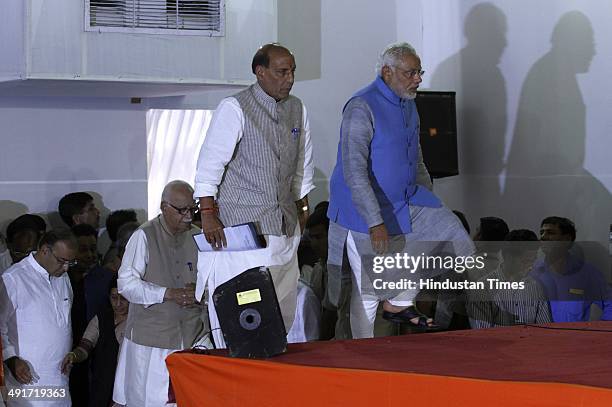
392,53
173,185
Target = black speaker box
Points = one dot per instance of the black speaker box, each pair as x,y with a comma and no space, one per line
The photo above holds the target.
250,316
438,134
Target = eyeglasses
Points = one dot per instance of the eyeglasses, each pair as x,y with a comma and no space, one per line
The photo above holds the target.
187,209
411,73
63,262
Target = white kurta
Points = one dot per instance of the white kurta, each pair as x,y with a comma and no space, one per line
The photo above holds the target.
141,378
307,323
35,325
215,268
224,133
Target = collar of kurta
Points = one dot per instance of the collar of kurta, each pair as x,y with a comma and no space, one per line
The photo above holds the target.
40,269
387,92
165,227
176,238
264,98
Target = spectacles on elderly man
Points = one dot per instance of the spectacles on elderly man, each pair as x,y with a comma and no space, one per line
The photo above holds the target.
186,209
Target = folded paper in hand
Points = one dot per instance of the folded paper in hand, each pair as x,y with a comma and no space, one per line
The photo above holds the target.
239,238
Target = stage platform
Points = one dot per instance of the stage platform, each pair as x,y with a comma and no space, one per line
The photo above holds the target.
549,365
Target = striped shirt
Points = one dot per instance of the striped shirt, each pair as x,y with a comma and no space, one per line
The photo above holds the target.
505,306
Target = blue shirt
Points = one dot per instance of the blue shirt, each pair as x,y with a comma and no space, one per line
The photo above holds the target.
572,292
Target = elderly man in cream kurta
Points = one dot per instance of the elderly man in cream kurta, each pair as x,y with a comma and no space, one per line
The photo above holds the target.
157,276
256,163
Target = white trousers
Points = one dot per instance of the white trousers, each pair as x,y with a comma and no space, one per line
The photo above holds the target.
363,306
280,256
142,377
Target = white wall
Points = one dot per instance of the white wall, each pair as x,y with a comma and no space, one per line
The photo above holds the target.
12,46
46,39
52,146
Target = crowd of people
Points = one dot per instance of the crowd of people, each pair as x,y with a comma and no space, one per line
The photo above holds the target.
100,325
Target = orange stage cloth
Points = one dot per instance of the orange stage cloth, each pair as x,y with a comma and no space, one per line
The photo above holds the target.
543,373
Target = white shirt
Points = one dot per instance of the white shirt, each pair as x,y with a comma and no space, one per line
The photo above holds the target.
35,320
130,282
224,133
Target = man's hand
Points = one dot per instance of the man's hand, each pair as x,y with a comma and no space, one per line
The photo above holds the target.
379,238
302,219
20,370
213,230
67,363
181,296
303,212
212,227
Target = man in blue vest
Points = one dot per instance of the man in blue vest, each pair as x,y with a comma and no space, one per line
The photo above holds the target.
380,194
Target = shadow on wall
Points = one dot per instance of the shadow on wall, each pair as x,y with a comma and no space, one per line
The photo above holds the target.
474,74
72,182
545,167
9,210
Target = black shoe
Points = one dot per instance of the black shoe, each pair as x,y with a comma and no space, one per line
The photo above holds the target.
406,316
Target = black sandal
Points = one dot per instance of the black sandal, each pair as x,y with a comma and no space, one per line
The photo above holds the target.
406,315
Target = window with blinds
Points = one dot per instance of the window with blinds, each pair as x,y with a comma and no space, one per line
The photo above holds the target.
191,17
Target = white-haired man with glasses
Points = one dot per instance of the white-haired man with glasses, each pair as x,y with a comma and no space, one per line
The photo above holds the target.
380,198
35,326
157,276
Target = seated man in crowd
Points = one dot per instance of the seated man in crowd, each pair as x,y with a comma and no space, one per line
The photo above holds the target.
571,284
114,221
22,236
157,276
491,231
79,207
35,302
489,237
526,304
335,321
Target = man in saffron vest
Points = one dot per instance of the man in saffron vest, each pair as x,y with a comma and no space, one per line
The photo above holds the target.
380,190
157,276
255,165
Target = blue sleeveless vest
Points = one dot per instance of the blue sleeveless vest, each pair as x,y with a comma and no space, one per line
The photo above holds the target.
392,165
